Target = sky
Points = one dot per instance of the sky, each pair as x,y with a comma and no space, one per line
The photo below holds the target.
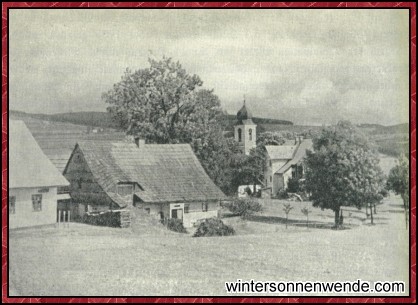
308,66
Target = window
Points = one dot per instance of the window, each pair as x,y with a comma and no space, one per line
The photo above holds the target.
12,204
271,178
125,189
79,183
148,210
239,135
186,208
250,134
204,206
294,172
77,159
37,202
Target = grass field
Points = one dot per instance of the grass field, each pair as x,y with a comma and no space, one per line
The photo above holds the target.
85,260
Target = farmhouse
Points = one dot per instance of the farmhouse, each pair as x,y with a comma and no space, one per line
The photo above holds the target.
33,181
284,162
165,180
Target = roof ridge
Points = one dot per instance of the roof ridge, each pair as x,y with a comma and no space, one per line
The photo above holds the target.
167,172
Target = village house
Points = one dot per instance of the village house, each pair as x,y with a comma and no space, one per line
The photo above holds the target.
33,181
284,162
164,180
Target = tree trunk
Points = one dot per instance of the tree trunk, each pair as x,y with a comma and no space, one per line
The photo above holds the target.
374,208
307,221
286,221
337,218
405,206
406,215
371,213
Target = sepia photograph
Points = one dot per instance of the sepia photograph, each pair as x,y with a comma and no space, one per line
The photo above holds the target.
208,152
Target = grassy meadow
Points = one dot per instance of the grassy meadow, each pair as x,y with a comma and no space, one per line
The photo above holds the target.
148,260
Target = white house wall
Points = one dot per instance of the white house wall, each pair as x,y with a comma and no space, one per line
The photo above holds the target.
286,176
275,184
195,211
25,216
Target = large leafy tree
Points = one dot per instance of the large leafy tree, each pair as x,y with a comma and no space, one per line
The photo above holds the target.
270,138
165,104
398,181
343,170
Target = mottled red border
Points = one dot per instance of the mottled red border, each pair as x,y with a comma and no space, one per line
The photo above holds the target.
336,5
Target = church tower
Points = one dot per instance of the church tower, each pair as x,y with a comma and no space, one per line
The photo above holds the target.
245,130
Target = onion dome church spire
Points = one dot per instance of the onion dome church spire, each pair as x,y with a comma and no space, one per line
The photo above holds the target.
244,114
245,129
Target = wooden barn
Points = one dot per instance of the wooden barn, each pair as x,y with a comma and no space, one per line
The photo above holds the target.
33,181
165,180
284,162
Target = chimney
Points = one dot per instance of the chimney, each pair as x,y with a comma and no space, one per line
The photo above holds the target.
139,142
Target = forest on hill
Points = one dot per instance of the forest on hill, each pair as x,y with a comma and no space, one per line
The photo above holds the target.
391,140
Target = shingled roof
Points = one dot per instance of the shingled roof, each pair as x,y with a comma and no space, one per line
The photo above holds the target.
300,153
277,152
164,172
28,165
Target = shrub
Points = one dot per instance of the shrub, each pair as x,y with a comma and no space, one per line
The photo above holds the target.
293,185
384,193
108,219
175,225
244,207
282,194
213,227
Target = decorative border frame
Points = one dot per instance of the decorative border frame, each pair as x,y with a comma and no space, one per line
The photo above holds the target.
248,5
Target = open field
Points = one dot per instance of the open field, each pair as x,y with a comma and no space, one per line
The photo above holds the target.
97,261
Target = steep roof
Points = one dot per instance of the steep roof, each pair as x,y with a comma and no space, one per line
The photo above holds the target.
165,172
244,115
281,151
58,146
298,156
28,165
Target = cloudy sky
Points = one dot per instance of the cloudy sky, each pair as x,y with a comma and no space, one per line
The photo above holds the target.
308,66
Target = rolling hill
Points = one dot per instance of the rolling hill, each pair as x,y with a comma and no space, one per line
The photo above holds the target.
391,140
104,119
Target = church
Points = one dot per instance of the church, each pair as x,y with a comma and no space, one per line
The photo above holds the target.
282,161
245,130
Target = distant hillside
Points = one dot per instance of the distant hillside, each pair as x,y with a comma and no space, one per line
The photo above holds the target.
103,119
232,118
90,118
394,129
391,140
